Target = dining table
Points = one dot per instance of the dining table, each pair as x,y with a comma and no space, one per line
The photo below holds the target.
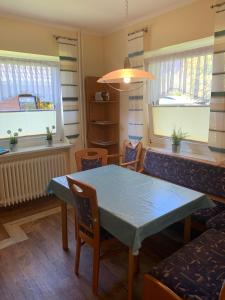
132,206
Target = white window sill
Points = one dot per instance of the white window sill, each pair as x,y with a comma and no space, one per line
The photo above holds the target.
217,159
36,149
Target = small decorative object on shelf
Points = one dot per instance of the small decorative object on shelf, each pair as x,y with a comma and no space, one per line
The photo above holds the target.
177,137
102,96
13,139
49,135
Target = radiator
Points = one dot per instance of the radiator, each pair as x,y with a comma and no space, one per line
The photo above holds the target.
27,179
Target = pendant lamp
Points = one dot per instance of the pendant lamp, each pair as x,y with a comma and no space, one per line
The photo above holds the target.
127,74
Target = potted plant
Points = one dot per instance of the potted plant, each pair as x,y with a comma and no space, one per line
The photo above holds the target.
177,136
13,139
49,135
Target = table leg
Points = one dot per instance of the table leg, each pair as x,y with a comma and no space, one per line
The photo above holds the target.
187,229
64,225
133,267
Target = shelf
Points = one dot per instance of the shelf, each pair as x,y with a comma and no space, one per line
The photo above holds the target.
104,102
103,117
104,143
103,123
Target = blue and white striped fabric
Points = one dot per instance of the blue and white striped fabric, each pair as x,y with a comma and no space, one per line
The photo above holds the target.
217,107
70,85
136,96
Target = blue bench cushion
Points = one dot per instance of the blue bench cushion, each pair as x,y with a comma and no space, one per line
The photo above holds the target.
205,214
199,176
196,271
217,222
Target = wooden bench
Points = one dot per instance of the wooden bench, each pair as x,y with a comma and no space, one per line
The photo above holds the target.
194,174
196,271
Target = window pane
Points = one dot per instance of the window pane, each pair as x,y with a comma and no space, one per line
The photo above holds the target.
32,122
180,95
29,95
193,120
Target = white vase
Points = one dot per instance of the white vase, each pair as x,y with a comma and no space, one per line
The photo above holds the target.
49,143
175,148
13,147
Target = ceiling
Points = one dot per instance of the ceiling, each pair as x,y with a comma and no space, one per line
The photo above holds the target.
102,16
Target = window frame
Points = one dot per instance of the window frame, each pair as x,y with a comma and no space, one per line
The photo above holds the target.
37,139
177,48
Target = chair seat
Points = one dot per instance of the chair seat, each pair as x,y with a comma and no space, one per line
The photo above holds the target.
196,271
217,222
203,215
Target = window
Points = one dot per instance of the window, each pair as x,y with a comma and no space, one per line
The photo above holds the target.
29,94
180,95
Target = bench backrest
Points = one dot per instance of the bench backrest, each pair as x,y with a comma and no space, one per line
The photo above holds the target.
196,175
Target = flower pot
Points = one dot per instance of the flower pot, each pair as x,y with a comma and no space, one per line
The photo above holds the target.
13,147
49,143
175,148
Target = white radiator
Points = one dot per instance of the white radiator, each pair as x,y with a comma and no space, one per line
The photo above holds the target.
27,179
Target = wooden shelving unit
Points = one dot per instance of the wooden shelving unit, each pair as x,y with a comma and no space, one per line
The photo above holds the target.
102,117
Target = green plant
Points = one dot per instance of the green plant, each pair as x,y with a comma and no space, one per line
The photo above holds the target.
177,136
49,133
13,136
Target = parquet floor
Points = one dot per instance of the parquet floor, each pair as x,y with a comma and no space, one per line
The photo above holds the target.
38,268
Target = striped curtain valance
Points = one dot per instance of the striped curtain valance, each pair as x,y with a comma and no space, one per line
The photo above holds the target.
217,107
70,86
136,123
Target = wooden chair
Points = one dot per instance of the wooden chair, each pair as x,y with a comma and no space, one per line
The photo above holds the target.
91,158
130,156
88,228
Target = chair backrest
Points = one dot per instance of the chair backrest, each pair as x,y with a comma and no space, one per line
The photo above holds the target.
86,209
130,152
91,158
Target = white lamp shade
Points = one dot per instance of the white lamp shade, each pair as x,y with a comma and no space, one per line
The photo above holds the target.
118,76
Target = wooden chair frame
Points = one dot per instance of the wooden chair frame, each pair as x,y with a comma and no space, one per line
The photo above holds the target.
91,236
134,163
156,290
91,154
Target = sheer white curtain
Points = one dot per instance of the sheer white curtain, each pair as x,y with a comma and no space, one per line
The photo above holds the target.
21,76
188,73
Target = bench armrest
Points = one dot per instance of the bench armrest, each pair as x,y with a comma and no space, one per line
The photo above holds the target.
155,290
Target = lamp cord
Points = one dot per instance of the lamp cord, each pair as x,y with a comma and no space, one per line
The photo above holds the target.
126,9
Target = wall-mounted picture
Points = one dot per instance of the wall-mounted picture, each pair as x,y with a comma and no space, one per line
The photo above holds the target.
27,102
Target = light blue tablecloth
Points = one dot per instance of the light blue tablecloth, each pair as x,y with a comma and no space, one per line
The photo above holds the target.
134,206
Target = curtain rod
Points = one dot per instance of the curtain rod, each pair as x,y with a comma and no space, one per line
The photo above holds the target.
145,29
64,37
218,5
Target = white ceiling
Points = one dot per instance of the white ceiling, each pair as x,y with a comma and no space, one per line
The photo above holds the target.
97,15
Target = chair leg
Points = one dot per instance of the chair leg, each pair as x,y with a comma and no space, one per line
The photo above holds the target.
77,257
96,262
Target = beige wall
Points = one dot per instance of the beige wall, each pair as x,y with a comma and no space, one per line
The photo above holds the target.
92,48
30,37
187,23
103,54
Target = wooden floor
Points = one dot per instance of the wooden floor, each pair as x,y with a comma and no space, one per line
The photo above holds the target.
38,268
